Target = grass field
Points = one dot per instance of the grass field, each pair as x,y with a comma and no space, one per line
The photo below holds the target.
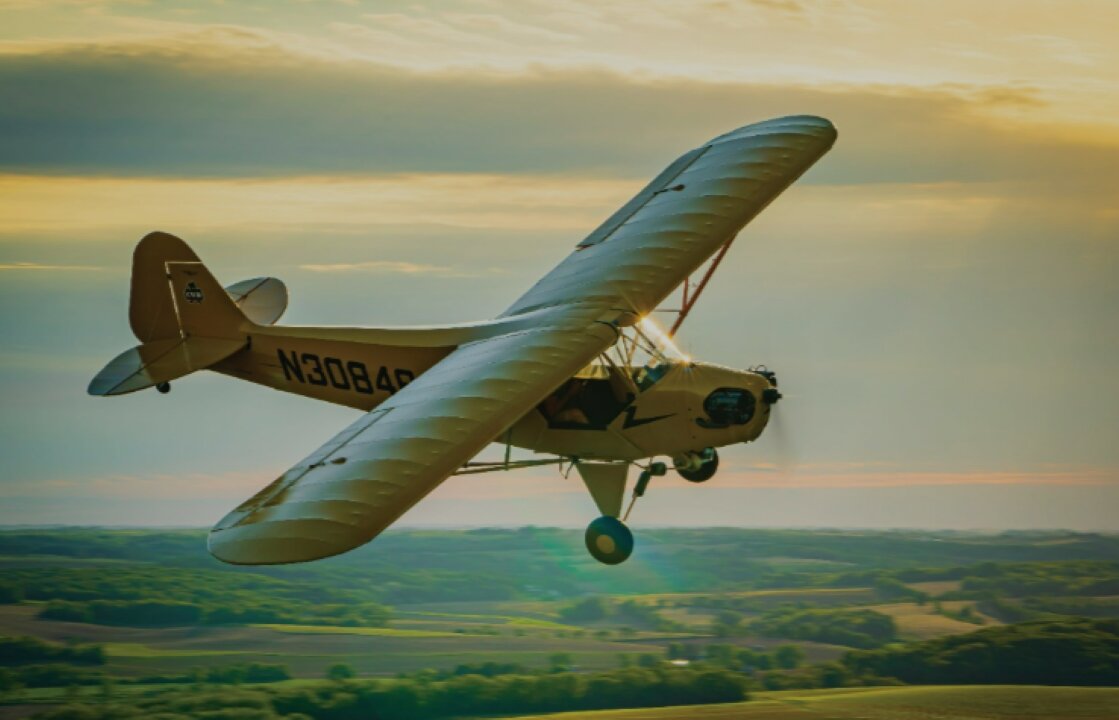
894,703
821,596
366,631
936,587
951,702
921,622
137,650
309,650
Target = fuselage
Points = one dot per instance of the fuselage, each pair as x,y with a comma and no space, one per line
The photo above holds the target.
604,412
670,408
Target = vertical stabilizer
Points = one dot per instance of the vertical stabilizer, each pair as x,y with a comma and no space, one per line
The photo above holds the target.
151,310
204,308
174,296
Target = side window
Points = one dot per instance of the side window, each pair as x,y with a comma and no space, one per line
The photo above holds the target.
648,375
730,406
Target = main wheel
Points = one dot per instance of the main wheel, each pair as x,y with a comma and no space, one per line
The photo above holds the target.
609,541
704,470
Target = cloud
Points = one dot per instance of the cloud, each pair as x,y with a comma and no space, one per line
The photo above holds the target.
43,267
1060,49
234,486
818,475
469,28
384,266
129,207
184,109
228,486
772,477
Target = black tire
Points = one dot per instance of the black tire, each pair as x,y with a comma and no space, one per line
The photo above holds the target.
705,472
163,387
609,541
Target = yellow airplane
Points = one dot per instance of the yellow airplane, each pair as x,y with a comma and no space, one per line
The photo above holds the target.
574,369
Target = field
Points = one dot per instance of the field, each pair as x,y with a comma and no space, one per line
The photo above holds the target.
921,622
771,610
901,703
309,650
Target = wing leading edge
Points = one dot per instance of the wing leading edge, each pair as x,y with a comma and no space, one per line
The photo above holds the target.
696,205
357,484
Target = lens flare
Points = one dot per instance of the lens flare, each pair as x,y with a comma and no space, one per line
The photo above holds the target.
662,339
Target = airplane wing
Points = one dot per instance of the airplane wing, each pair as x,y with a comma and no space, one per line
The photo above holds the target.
695,206
353,487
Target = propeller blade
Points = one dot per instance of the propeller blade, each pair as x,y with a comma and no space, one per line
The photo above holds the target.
785,456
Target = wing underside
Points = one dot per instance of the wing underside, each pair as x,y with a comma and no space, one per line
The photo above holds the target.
358,483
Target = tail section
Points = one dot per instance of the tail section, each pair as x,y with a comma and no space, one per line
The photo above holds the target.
184,319
174,295
152,312
263,300
202,306
160,361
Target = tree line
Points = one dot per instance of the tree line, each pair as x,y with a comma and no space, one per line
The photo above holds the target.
407,699
172,613
1069,651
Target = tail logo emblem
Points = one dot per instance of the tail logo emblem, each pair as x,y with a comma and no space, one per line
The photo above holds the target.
193,293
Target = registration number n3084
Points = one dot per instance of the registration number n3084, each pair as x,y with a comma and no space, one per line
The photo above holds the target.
353,375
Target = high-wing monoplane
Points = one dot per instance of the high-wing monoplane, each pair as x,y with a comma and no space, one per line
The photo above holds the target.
575,369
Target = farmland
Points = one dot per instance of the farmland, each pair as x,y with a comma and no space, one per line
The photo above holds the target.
909,703
801,621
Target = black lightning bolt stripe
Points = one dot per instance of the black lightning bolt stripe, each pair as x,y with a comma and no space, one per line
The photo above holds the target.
632,422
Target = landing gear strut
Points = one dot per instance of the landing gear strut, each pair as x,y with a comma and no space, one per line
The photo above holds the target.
697,467
609,541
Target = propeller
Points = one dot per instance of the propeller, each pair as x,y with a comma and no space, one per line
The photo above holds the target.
784,450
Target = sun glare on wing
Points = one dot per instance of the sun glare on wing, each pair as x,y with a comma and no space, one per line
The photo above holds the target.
663,340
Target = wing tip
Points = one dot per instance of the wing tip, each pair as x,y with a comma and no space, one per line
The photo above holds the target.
249,545
808,125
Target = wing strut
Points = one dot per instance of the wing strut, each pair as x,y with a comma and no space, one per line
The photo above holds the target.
690,298
473,468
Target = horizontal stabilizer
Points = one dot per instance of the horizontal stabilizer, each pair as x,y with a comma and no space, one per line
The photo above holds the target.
262,300
160,361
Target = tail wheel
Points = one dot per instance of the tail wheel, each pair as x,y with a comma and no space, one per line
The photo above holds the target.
609,541
163,387
698,467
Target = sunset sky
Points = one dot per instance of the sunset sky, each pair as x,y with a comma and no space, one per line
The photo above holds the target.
939,295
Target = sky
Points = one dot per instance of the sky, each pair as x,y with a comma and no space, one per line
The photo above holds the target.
938,295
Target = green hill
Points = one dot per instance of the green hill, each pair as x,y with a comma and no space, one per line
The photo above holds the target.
896,703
